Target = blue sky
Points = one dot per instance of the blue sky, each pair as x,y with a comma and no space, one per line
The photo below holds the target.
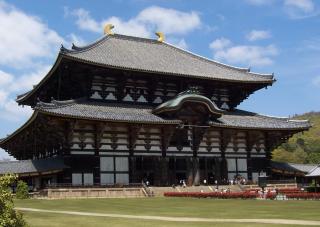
269,36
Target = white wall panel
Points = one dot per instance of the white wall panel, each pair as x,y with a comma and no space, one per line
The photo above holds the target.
77,179
107,178
242,164
231,164
106,164
122,164
88,178
122,178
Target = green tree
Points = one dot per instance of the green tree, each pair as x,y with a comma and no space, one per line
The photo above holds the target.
8,216
314,157
22,190
303,147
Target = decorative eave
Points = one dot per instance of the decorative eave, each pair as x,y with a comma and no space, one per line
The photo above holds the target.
177,102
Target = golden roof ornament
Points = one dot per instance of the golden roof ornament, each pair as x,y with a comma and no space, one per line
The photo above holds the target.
161,36
107,29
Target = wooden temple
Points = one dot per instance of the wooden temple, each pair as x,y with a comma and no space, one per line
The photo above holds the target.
126,109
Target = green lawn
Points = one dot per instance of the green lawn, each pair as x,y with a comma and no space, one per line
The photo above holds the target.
176,207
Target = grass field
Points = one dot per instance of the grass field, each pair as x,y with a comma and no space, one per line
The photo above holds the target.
173,207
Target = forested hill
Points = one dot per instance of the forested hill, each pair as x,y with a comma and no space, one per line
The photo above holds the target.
302,147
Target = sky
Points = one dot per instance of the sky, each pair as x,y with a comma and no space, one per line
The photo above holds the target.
267,36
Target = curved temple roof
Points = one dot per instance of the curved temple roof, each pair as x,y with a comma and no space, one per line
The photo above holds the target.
149,55
88,110
177,102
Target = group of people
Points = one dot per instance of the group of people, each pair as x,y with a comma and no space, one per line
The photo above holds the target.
237,180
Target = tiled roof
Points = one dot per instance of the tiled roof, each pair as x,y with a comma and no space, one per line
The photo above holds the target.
245,119
293,167
283,166
104,112
148,55
32,166
303,167
143,114
315,172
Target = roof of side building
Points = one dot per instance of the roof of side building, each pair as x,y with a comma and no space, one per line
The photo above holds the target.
32,166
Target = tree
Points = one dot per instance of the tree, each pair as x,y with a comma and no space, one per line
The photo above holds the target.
8,216
22,191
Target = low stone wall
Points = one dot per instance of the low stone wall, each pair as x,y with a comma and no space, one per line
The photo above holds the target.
270,186
62,193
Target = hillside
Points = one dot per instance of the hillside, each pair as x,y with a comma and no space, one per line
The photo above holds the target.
303,147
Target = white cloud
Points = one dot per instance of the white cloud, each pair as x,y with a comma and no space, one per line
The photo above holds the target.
304,5
27,81
3,97
258,35
5,78
130,27
13,112
219,44
300,9
316,81
221,17
24,37
17,85
181,43
247,55
149,20
77,40
169,21
259,2
26,42
85,21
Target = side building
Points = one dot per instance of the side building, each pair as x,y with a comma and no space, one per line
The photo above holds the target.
125,109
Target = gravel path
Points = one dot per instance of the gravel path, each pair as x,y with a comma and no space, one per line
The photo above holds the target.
177,219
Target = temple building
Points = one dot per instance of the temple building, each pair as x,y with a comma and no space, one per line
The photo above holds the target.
126,109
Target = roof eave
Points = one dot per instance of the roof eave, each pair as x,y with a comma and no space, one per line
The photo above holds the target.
165,122
22,99
25,125
267,82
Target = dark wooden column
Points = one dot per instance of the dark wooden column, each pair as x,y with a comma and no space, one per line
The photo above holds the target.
133,131
269,143
98,133
249,146
197,136
166,135
225,138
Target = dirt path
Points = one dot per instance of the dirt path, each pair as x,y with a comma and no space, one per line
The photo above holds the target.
178,219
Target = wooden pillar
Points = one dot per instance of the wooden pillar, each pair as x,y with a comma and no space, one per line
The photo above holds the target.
225,138
166,135
196,171
190,175
268,149
249,145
